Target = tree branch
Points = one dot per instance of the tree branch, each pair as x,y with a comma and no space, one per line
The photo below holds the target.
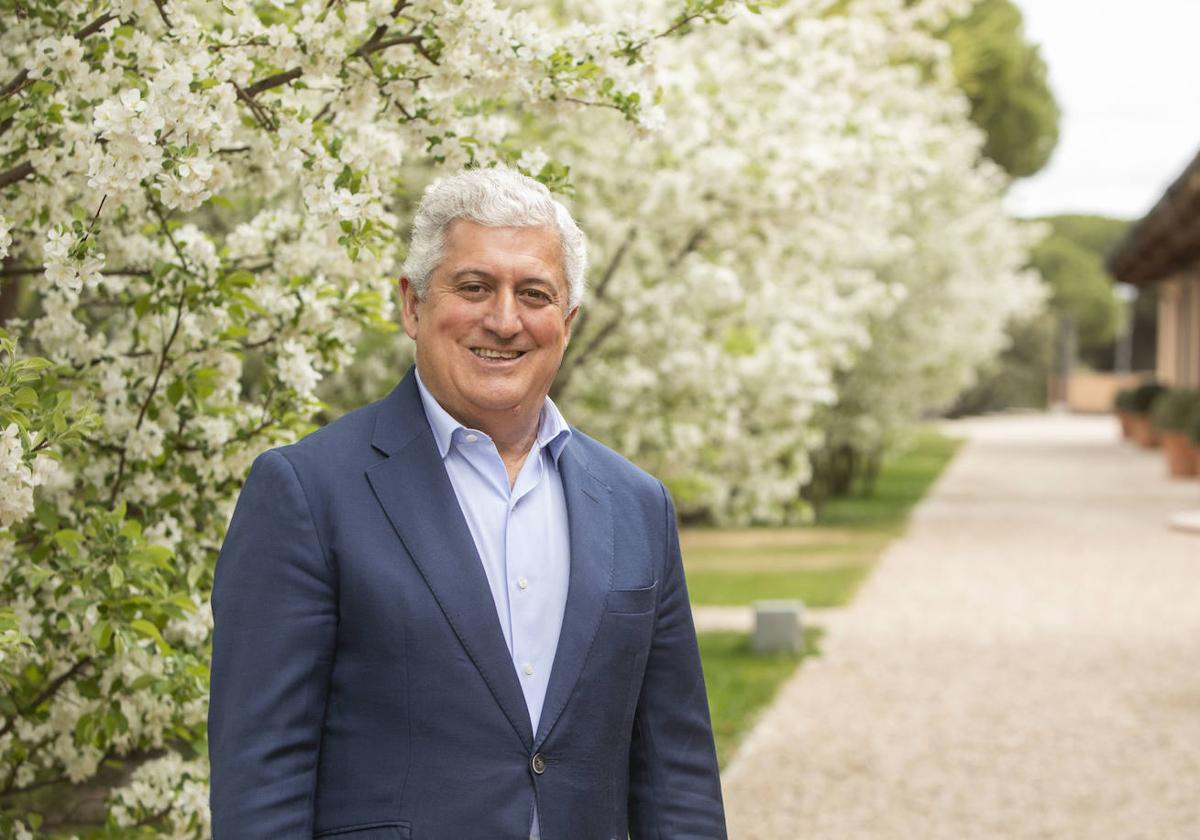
18,173
274,81
601,287
260,114
692,243
369,48
18,81
95,26
46,693
162,12
23,270
373,44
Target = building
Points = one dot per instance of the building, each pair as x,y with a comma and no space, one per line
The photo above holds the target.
1163,251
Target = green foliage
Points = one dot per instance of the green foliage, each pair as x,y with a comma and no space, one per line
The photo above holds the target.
1174,408
1193,426
740,682
1144,396
1098,234
1081,289
1017,377
904,478
1004,77
1071,260
1123,401
38,402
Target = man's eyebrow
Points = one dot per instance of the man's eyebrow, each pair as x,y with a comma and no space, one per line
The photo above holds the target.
468,272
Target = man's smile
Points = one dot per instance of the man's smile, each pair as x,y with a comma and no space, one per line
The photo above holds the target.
488,353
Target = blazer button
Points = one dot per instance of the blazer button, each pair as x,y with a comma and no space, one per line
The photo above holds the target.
538,763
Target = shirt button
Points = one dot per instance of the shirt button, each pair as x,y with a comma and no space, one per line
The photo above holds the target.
529,668
522,583
538,763
472,438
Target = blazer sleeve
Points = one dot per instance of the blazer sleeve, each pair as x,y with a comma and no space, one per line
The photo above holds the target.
674,783
275,620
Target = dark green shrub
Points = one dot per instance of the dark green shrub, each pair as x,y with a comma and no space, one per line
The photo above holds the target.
1144,396
1173,409
1193,427
1124,400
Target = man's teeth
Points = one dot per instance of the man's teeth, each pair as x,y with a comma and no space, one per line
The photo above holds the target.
495,354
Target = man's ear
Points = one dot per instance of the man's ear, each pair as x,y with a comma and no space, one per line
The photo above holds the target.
410,305
570,317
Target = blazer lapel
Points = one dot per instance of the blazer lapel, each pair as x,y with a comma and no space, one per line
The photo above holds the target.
590,521
415,492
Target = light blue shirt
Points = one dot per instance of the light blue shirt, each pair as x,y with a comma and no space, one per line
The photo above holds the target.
521,534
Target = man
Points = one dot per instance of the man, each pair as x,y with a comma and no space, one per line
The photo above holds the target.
448,614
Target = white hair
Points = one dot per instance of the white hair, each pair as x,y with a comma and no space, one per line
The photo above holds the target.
495,197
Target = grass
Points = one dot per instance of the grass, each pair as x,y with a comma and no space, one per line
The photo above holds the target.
903,481
823,564
740,682
815,587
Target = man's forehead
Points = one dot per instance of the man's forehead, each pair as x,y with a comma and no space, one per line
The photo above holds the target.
482,249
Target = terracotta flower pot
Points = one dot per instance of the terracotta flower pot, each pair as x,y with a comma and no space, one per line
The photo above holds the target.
1145,433
1180,453
1126,419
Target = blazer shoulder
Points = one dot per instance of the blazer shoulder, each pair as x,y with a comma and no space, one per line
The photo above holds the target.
343,440
621,475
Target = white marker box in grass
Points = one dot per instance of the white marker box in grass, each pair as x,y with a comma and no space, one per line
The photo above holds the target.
778,626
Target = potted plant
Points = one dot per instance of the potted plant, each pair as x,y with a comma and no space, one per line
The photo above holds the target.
1193,430
1143,397
1172,413
1123,406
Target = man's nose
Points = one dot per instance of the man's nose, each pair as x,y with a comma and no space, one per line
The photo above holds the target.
503,316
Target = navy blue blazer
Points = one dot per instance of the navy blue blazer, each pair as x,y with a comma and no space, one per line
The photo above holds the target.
361,685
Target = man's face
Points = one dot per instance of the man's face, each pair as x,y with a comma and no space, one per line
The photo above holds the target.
493,327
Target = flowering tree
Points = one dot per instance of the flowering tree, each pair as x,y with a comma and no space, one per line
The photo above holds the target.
198,207
199,203
821,257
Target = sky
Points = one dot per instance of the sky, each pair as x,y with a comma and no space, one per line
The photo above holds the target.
1127,79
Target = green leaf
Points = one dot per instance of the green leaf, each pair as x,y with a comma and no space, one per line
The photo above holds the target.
102,634
144,681
47,516
116,575
147,629
175,391
68,540
205,381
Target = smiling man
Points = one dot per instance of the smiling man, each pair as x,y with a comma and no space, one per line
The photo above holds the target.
449,614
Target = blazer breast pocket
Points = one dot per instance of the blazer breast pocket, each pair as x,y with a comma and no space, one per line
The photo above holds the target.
632,601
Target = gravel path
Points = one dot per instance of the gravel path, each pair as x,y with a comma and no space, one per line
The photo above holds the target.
1024,663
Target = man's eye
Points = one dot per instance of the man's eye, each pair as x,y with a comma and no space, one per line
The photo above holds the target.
472,288
537,296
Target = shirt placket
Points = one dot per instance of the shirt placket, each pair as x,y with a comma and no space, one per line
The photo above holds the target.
522,579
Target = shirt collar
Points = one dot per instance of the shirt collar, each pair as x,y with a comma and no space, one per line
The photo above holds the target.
553,431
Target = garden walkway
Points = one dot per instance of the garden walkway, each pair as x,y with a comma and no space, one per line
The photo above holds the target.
1024,663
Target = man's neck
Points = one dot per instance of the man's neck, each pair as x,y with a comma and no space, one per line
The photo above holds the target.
512,433
514,452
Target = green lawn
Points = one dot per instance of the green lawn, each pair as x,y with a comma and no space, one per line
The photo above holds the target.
903,481
740,682
821,565
830,587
